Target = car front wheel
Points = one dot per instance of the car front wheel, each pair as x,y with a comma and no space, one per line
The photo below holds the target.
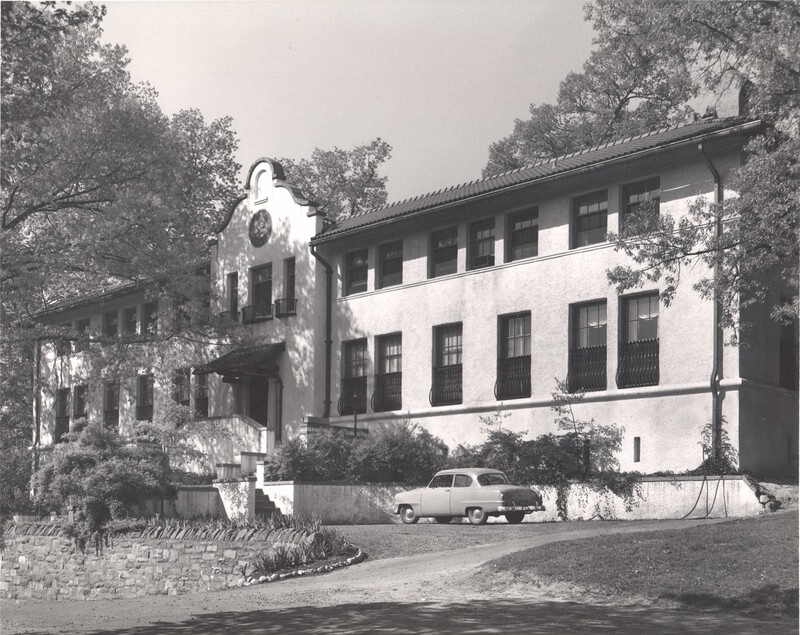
515,518
477,516
408,515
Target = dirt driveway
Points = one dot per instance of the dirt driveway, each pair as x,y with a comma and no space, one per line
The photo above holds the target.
432,592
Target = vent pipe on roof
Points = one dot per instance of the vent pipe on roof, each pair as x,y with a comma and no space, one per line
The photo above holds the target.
716,370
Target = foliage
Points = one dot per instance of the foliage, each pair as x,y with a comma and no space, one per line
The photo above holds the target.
342,182
97,472
650,60
397,454
727,462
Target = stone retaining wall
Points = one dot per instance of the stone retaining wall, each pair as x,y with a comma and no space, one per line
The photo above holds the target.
42,562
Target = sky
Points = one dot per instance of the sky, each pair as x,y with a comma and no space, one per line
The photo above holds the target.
440,81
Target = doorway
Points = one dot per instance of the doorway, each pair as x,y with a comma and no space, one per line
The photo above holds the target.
259,399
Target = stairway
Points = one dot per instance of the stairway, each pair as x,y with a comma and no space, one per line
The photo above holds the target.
264,506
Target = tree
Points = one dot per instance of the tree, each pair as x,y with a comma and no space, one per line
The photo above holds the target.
99,189
650,60
342,182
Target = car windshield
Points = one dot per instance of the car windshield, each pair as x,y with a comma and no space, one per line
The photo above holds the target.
492,479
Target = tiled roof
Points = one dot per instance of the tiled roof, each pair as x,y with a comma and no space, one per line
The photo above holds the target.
538,171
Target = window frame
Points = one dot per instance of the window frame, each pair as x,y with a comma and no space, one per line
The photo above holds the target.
232,280
182,386
111,388
449,233
289,278
626,209
107,323
149,317
589,199
625,322
477,243
390,249
145,397
351,287
527,214
257,288
80,394
126,313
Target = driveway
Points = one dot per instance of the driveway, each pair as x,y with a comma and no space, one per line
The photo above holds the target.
422,593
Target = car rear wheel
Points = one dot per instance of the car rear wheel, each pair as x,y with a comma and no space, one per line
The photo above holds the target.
477,516
515,518
443,520
408,515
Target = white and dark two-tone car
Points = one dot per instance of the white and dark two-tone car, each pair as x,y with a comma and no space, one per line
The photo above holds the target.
476,493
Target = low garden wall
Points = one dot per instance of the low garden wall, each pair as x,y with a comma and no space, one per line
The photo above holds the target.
653,498
41,562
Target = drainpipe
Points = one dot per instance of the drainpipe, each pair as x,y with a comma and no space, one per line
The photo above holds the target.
328,327
37,407
716,371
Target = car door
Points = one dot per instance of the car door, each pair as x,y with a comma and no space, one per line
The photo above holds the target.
461,495
435,499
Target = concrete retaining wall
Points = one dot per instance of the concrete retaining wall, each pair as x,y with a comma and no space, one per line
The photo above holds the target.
655,498
41,562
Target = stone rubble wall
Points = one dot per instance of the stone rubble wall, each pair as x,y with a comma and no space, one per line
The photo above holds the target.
41,562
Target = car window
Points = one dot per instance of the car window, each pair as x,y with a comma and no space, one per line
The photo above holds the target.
492,479
462,480
443,480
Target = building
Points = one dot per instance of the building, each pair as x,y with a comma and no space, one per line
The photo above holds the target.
449,306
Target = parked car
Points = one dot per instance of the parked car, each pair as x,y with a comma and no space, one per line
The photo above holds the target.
476,493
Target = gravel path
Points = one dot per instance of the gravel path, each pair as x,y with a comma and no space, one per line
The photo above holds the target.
430,590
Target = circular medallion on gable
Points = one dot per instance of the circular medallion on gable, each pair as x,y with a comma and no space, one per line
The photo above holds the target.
260,228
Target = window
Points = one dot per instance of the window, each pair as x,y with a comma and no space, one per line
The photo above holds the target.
587,355
441,481
181,386
150,317
82,327
444,252
354,378
787,354
287,305
514,359
260,307
638,348
79,401
144,397
523,234
390,264
481,244
111,405
356,274
637,449
111,324
201,396
446,381
129,320
590,219
62,414
233,296
63,344
635,195
462,480
388,377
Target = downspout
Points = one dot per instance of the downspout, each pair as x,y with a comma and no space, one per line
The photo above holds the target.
328,327
717,370
37,406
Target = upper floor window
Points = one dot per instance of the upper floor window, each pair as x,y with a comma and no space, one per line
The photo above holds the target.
233,294
514,359
144,397
62,414
354,378
523,234
637,363
390,264
787,353
181,386
444,252
82,327
129,320
150,317
289,278
590,218
388,375
356,273
111,405
447,375
481,243
643,195
260,307
79,394
201,396
64,344
111,324
587,354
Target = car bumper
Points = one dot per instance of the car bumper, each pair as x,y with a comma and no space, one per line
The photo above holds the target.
526,509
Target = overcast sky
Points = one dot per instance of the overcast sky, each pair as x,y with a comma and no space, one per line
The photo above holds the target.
438,80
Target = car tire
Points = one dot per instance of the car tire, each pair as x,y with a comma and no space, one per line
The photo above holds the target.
408,515
477,516
515,518
443,520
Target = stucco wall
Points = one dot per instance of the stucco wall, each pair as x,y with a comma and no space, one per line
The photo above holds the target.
768,443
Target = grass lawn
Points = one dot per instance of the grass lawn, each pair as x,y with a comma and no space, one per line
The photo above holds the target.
748,564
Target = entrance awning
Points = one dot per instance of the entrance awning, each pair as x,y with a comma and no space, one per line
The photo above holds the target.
253,360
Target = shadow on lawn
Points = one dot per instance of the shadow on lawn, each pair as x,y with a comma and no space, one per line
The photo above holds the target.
764,601
475,617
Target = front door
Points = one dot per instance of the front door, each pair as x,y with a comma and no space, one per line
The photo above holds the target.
436,497
259,399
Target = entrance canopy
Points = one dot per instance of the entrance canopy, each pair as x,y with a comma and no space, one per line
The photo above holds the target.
254,360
